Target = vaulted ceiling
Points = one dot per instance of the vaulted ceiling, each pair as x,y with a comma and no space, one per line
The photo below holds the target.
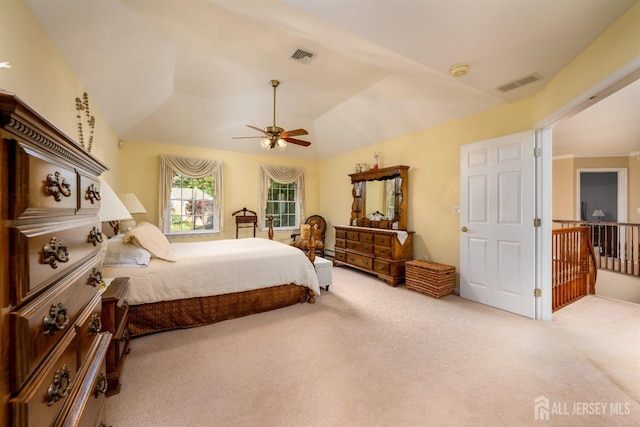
196,72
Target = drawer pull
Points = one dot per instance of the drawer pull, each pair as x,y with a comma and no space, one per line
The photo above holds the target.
55,251
95,236
351,259
101,385
365,261
95,279
55,187
57,320
92,194
61,385
95,325
380,267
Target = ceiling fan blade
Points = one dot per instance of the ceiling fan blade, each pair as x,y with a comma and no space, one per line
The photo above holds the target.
295,132
257,128
297,141
247,137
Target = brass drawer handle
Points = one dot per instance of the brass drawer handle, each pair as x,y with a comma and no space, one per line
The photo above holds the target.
56,320
92,194
95,279
101,385
95,325
61,385
55,187
351,259
382,251
380,267
95,236
55,251
365,262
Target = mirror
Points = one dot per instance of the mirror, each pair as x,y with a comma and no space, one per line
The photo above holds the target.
378,198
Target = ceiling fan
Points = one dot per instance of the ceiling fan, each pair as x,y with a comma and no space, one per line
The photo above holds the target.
274,136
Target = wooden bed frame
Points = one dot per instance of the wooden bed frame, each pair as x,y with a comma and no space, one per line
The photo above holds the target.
191,312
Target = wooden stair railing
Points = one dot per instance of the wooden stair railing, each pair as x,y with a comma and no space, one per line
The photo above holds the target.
574,270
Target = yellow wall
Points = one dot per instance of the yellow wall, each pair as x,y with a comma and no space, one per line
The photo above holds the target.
40,77
140,169
563,189
634,195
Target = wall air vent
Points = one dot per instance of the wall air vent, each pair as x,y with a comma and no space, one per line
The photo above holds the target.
520,82
303,56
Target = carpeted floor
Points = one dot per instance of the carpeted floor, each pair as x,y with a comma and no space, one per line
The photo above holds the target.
367,354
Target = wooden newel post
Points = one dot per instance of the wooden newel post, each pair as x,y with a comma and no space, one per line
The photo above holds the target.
270,234
312,241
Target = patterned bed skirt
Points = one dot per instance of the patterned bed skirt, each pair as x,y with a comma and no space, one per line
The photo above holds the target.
200,311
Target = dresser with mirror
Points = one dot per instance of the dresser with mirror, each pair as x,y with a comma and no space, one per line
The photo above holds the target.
377,240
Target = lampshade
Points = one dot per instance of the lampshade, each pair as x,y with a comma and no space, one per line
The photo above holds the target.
111,208
132,203
598,213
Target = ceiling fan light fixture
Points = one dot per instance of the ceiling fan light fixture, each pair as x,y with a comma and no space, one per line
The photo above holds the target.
265,143
282,144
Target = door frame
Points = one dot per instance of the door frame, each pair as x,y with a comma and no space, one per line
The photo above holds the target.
544,164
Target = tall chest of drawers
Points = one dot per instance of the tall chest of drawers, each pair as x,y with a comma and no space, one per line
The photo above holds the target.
53,351
377,251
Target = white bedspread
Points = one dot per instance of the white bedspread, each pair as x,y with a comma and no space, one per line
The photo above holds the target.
216,268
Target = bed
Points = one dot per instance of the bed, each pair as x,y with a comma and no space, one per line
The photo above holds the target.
183,285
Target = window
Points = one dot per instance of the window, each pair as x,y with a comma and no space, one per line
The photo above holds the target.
281,195
192,205
191,195
281,203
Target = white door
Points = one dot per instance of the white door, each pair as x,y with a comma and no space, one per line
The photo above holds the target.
497,234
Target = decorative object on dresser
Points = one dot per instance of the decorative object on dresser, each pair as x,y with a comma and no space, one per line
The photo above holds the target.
115,310
53,355
377,240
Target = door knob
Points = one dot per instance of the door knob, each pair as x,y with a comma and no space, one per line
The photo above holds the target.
464,229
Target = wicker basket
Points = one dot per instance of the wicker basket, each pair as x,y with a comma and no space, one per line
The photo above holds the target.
430,278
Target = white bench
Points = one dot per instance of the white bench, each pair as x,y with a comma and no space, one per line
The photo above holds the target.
323,269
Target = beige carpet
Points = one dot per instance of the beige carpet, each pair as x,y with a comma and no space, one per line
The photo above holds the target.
367,354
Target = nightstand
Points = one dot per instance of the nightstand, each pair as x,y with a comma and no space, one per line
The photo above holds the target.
114,319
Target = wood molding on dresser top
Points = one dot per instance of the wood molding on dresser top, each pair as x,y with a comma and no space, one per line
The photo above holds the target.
53,354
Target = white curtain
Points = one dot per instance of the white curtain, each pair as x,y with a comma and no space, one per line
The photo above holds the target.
284,175
192,168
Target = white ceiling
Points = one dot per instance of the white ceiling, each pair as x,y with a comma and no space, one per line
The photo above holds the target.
195,72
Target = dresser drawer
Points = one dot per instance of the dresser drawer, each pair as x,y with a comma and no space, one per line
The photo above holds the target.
341,243
43,253
43,188
366,237
381,267
59,308
43,397
341,234
87,405
89,194
88,326
353,235
383,252
360,247
360,261
340,255
382,240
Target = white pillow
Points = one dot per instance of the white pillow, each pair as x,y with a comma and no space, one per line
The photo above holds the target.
150,237
121,254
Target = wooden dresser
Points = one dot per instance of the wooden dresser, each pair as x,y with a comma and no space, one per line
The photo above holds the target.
53,351
376,241
376,251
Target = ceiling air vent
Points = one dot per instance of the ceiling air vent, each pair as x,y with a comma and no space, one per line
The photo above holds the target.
520,82
302,56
